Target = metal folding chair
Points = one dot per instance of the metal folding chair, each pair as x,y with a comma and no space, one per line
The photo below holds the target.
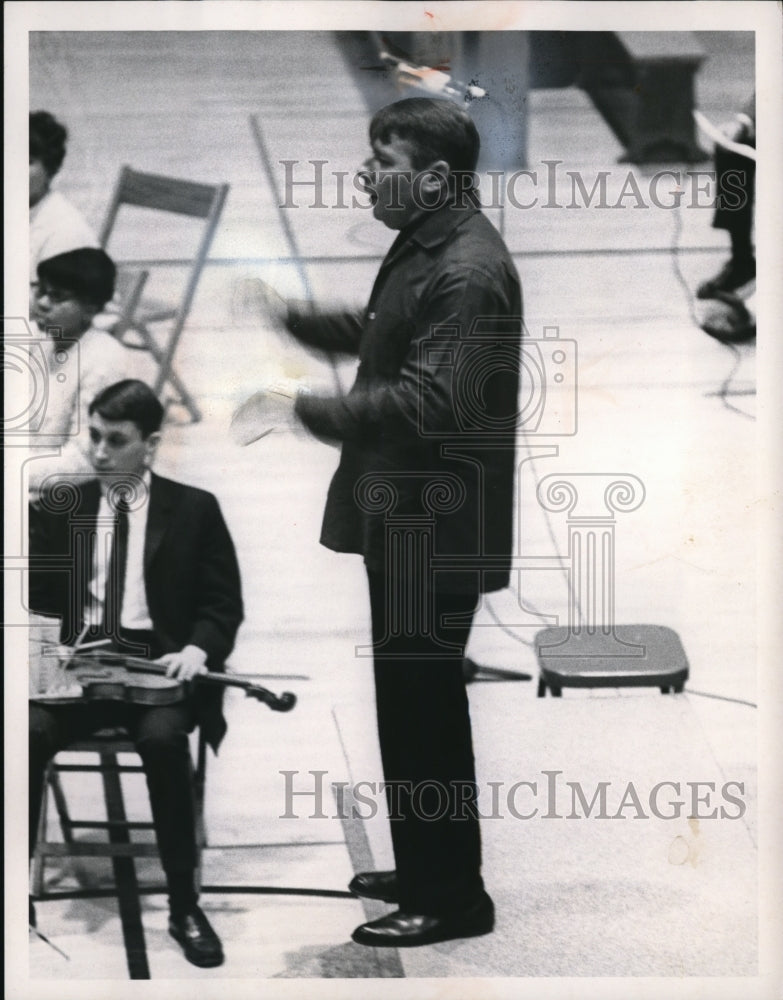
178,197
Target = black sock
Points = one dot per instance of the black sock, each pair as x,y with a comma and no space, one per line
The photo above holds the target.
182,893
741,247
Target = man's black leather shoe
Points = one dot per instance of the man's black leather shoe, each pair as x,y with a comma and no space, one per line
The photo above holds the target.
409,930
375,885
735,273
199,941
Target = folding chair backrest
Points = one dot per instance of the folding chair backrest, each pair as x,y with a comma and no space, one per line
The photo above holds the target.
127,296
166,194
178,197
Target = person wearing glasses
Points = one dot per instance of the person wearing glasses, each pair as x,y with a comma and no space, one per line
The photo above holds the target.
79,360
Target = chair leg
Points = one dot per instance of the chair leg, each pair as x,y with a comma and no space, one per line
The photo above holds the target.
62,806
39,857
167,375
541,687
199,788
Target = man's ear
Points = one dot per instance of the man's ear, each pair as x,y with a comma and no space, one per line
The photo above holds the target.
436,176
152,442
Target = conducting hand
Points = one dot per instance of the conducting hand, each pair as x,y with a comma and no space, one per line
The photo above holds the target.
254,298
272,407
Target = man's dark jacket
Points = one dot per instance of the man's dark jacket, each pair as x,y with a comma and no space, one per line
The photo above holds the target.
430,424
191,575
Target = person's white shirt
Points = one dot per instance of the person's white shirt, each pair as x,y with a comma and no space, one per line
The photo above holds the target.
77,372
56,226
135,611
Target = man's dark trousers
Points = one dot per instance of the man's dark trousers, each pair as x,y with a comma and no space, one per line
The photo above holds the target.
426,749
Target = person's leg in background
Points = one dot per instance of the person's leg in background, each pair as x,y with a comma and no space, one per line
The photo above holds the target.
735,182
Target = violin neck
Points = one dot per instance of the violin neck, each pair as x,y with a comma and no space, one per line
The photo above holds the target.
149,667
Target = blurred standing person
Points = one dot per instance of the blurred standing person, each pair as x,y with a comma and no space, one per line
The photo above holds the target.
735,181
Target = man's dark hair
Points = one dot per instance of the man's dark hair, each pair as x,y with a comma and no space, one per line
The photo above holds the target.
436,129
47,141
131,400
87,273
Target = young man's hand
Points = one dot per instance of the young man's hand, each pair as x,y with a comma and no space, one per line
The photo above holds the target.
185,664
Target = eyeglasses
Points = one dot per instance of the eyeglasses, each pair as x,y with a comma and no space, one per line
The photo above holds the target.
55,295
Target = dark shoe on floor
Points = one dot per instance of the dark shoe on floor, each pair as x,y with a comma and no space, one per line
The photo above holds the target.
199,941
735,273
375,885
409,930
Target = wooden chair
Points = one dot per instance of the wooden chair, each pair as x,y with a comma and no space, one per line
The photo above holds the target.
106,745
179,197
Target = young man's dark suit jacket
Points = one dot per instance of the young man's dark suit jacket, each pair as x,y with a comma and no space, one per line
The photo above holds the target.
191,575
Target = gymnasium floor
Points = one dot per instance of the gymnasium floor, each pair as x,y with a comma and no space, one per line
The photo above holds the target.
657,399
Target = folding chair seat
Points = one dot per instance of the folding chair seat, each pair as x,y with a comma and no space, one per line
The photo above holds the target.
107,744
173,197
625,656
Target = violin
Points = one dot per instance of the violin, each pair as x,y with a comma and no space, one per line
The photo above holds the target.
109,676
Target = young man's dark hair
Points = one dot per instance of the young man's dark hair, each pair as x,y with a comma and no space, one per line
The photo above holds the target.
436,129
88,273
131,400
47,141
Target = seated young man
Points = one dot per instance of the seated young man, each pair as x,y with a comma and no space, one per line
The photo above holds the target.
167,583
71,289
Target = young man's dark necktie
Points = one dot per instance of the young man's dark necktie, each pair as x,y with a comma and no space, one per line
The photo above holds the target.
115,573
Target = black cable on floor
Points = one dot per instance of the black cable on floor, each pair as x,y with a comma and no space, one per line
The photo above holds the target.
722,697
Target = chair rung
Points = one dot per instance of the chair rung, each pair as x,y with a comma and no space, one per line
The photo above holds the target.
109,824
83,850
123,768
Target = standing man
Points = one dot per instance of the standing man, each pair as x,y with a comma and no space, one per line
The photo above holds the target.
165,584
427,434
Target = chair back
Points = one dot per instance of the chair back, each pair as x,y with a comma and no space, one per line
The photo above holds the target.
173,196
